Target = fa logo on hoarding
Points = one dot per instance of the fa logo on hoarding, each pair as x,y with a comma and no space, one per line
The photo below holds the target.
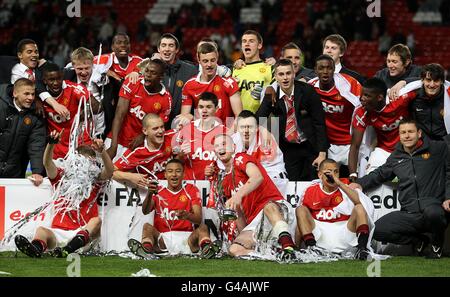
74,9
374,9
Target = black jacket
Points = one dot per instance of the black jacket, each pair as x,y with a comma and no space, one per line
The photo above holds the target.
305,73
429,114
424,176
22,135
411,74
361,79
175,77
308,111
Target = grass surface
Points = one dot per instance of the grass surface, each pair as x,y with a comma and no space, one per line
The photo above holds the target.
188,267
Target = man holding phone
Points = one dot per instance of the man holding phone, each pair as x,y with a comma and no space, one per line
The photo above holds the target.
332,216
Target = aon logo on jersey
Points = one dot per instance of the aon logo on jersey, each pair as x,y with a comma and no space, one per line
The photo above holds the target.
330,108
168,215
57,118
235,190
326,215
202,155
140,114
159,167
392,126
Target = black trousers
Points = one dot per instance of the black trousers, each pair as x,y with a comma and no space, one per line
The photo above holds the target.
401,227
298,160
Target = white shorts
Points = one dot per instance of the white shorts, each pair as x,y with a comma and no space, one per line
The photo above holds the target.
176,242
120,149
377,158
281,183
334,237
339,153
63,237
262,228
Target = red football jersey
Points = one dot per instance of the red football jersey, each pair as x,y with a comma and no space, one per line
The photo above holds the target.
70,97
253,203
154,160
88,209
141,103
202,148
322,204
338,115
224,88
166,202
133,60
385,122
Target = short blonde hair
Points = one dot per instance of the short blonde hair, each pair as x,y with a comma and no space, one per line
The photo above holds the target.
81,54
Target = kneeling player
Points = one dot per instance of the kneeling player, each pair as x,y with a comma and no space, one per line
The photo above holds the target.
177,209
71,229
252,193
331,215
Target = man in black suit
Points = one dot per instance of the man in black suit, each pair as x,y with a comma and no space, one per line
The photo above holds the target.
302,131
335,46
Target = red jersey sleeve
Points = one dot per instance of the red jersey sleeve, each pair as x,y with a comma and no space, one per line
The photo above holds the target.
359,119
127,89
231,86
166,107
194,193
241,160
123,163
405,99
186,97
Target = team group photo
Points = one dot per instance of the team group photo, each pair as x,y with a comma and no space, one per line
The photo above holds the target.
196,138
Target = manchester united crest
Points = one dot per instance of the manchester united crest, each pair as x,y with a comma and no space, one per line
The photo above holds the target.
216,88
338,199
168,150
426,156
157,105
27,121
183,198
262,70
179,83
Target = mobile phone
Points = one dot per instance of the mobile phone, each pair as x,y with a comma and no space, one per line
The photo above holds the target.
330,178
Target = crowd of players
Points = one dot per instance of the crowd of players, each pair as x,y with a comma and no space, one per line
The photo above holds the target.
165,118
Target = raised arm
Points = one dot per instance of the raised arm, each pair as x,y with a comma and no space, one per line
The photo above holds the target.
121,111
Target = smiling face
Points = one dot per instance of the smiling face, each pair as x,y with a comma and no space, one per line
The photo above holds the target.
174,174
224,148
395,65
409,135
121,46
370,99
431,86
83,69
24,96
153,129
53,80
168,50
250,47
208,62
153,75
29,56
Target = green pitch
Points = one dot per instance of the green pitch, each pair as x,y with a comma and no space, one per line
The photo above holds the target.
117,266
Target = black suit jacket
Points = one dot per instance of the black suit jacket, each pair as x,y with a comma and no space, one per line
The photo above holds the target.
353,74
308,111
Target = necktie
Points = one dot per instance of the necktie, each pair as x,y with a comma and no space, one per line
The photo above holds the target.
292,134
30,74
